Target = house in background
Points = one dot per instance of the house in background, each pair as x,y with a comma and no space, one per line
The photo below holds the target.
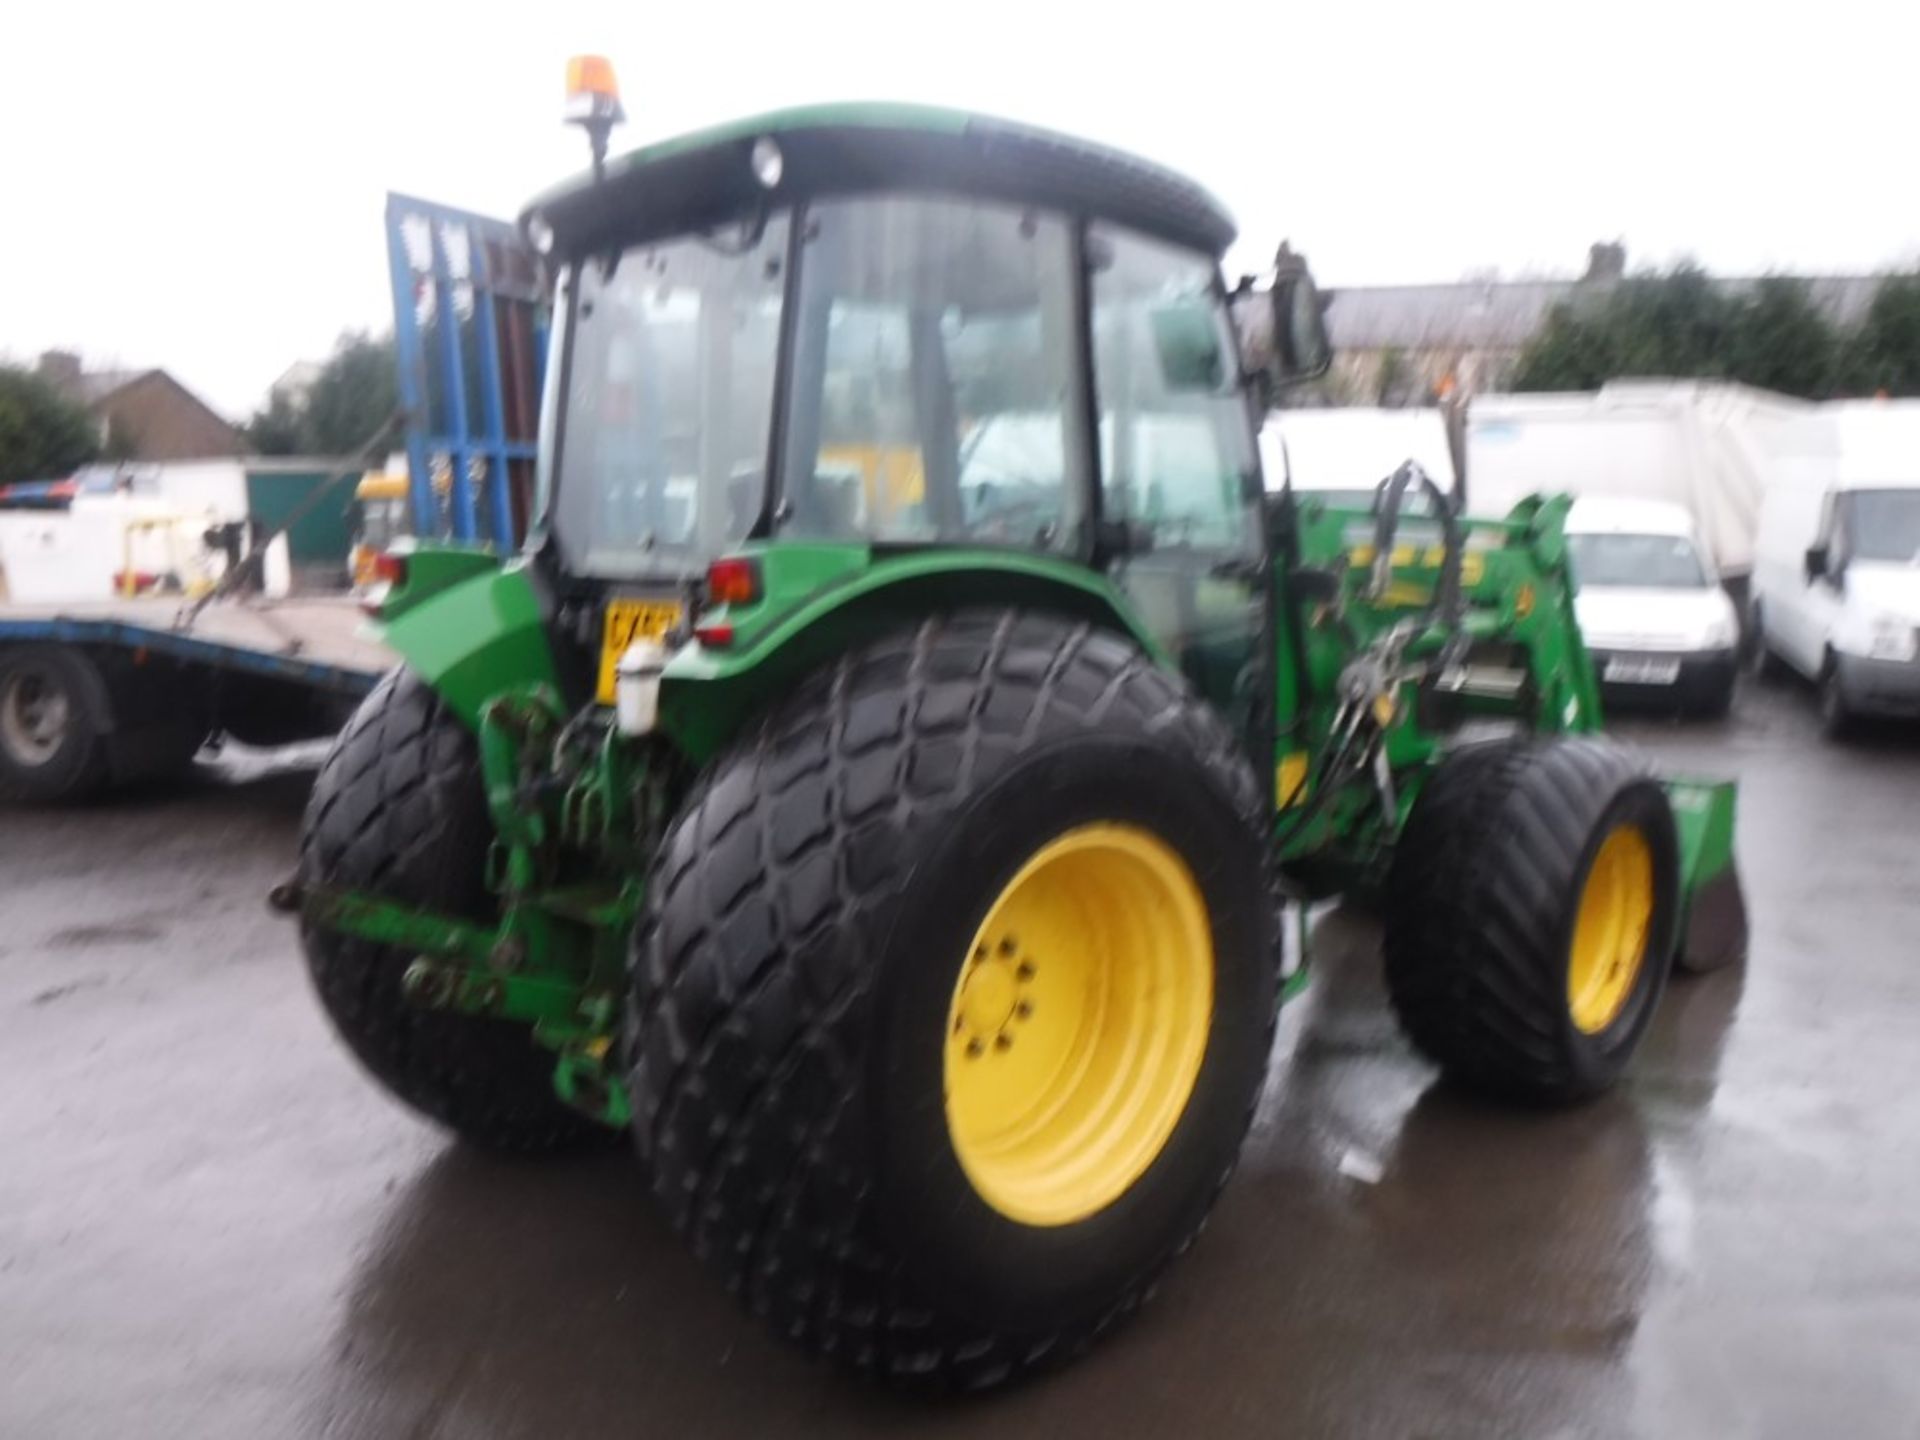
1411,344
143,414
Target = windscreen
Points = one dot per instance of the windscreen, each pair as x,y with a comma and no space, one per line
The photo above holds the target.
1647,562
934,395
1884,525
668,402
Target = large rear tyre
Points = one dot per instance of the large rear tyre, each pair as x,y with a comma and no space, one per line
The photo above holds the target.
50,746
954,997
1532,908
398,811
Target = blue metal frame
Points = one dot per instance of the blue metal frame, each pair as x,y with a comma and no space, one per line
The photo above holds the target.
466,437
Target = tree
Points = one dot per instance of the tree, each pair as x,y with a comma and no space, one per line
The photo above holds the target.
1780,341
1676,324
1885,353
275,430
353,393
43,435
1682,325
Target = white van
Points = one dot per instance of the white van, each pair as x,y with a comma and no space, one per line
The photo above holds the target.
1655,619
1837,574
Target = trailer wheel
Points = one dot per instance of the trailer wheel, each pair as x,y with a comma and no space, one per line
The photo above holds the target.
50,742
398,810
954,997
1532,907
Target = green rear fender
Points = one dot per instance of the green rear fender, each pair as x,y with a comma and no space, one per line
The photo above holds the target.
817,601
472,637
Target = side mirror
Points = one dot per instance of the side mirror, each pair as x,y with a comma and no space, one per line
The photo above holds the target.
1817,563
1283,332
1301,350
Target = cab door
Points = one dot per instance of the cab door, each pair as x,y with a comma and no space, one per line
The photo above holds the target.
1178,472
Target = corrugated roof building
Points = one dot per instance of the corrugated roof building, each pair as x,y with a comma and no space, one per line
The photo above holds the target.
1401,344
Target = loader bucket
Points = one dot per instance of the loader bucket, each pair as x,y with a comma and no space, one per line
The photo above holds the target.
1714,908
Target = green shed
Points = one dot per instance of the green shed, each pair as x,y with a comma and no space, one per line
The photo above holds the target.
277,487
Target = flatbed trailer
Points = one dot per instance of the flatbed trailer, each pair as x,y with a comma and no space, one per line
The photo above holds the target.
101,693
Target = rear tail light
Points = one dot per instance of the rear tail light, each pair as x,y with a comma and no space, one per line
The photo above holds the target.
386,572
733,581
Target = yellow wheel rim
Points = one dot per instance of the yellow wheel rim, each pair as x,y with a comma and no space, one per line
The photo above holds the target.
1078,1024
1610,933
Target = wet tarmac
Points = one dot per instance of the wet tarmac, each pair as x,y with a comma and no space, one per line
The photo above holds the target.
211,1225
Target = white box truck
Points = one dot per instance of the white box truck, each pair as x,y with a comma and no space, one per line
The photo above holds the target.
1713,448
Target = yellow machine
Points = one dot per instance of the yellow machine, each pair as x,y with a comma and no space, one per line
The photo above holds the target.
380,505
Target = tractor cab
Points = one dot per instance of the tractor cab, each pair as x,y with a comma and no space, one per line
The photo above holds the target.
885,331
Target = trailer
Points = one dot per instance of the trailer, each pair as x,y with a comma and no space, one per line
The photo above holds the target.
97,694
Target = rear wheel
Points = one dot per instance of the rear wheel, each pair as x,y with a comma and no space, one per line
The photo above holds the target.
398,811
1532,909
50,745
954,998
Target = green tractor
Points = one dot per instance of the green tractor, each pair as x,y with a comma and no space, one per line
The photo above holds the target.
879,785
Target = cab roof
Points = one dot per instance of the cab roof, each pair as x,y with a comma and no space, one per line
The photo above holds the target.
706,178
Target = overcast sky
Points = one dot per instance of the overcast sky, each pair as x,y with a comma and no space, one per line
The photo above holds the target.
200,186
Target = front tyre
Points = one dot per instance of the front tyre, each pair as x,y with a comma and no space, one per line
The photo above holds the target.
954,997
398,811
1532,909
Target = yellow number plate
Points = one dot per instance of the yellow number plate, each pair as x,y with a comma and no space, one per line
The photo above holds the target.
627,621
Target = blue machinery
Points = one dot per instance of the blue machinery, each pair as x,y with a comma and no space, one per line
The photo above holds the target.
470,339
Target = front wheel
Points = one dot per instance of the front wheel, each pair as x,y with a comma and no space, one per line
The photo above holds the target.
1533,904
954,997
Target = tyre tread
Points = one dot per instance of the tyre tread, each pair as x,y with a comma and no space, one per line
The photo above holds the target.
1477,909
397,810
763,1172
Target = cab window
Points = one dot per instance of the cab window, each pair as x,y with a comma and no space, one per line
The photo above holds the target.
1176,443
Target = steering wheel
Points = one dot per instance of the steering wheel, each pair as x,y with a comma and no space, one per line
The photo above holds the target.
998,522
